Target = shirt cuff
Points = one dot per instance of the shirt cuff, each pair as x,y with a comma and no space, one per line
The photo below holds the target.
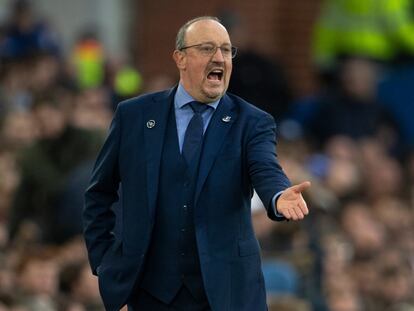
275,197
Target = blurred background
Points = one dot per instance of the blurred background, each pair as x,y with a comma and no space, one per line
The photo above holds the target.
338,77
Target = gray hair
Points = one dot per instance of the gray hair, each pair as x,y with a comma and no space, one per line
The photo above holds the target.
180,40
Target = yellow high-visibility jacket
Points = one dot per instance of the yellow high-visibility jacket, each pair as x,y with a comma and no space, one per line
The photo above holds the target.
377,29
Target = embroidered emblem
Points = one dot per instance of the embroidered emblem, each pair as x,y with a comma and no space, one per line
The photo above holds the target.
150,124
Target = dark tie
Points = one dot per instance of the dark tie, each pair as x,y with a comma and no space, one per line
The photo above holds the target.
194,133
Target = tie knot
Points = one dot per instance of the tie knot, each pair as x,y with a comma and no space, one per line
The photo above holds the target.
198,107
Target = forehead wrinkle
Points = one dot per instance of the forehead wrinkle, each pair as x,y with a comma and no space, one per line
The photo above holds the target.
212,42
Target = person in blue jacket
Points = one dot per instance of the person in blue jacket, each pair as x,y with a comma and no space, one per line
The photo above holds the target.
183,164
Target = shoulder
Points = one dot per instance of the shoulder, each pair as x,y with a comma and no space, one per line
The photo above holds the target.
247,109
139,103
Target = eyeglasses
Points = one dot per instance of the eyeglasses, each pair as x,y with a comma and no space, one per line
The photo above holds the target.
209,49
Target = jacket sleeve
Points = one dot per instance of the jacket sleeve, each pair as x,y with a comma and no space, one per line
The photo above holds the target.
102,192
265,171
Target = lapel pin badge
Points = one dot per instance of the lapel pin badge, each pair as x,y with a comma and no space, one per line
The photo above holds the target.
150,124
226,119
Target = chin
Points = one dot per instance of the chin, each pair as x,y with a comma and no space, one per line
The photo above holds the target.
213,97
214,94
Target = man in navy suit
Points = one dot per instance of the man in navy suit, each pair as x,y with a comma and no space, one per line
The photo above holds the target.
183,164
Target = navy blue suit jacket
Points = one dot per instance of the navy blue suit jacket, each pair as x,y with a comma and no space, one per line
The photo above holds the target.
237,155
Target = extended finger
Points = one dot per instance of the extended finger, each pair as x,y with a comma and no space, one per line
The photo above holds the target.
303,207
299,212
301,187
294,211
287,214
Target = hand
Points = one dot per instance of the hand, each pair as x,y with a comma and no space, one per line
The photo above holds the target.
291,203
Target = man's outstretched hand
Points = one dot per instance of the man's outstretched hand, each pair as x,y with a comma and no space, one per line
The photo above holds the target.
291,203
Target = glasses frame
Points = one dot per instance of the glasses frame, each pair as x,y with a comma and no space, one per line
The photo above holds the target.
233,48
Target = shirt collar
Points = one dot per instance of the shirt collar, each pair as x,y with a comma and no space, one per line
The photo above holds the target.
182,98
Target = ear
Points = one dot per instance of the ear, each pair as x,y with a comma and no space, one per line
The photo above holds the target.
180,59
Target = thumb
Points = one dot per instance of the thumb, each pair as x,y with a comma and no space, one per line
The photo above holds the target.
301,187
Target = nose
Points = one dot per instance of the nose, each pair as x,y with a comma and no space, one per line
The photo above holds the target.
218,56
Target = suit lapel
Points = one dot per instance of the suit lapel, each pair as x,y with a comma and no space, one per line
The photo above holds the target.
155,118
218,128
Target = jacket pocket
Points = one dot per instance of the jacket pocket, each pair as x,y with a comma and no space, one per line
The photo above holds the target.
248,247
115,247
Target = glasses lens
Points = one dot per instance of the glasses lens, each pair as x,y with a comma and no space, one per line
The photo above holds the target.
233,51
207,49
210,49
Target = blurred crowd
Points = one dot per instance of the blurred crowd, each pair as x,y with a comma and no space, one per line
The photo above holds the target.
55,108
353,139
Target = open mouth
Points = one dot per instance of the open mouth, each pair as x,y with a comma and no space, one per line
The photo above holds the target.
215,75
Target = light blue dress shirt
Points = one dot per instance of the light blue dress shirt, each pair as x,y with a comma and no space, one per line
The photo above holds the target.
183,115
